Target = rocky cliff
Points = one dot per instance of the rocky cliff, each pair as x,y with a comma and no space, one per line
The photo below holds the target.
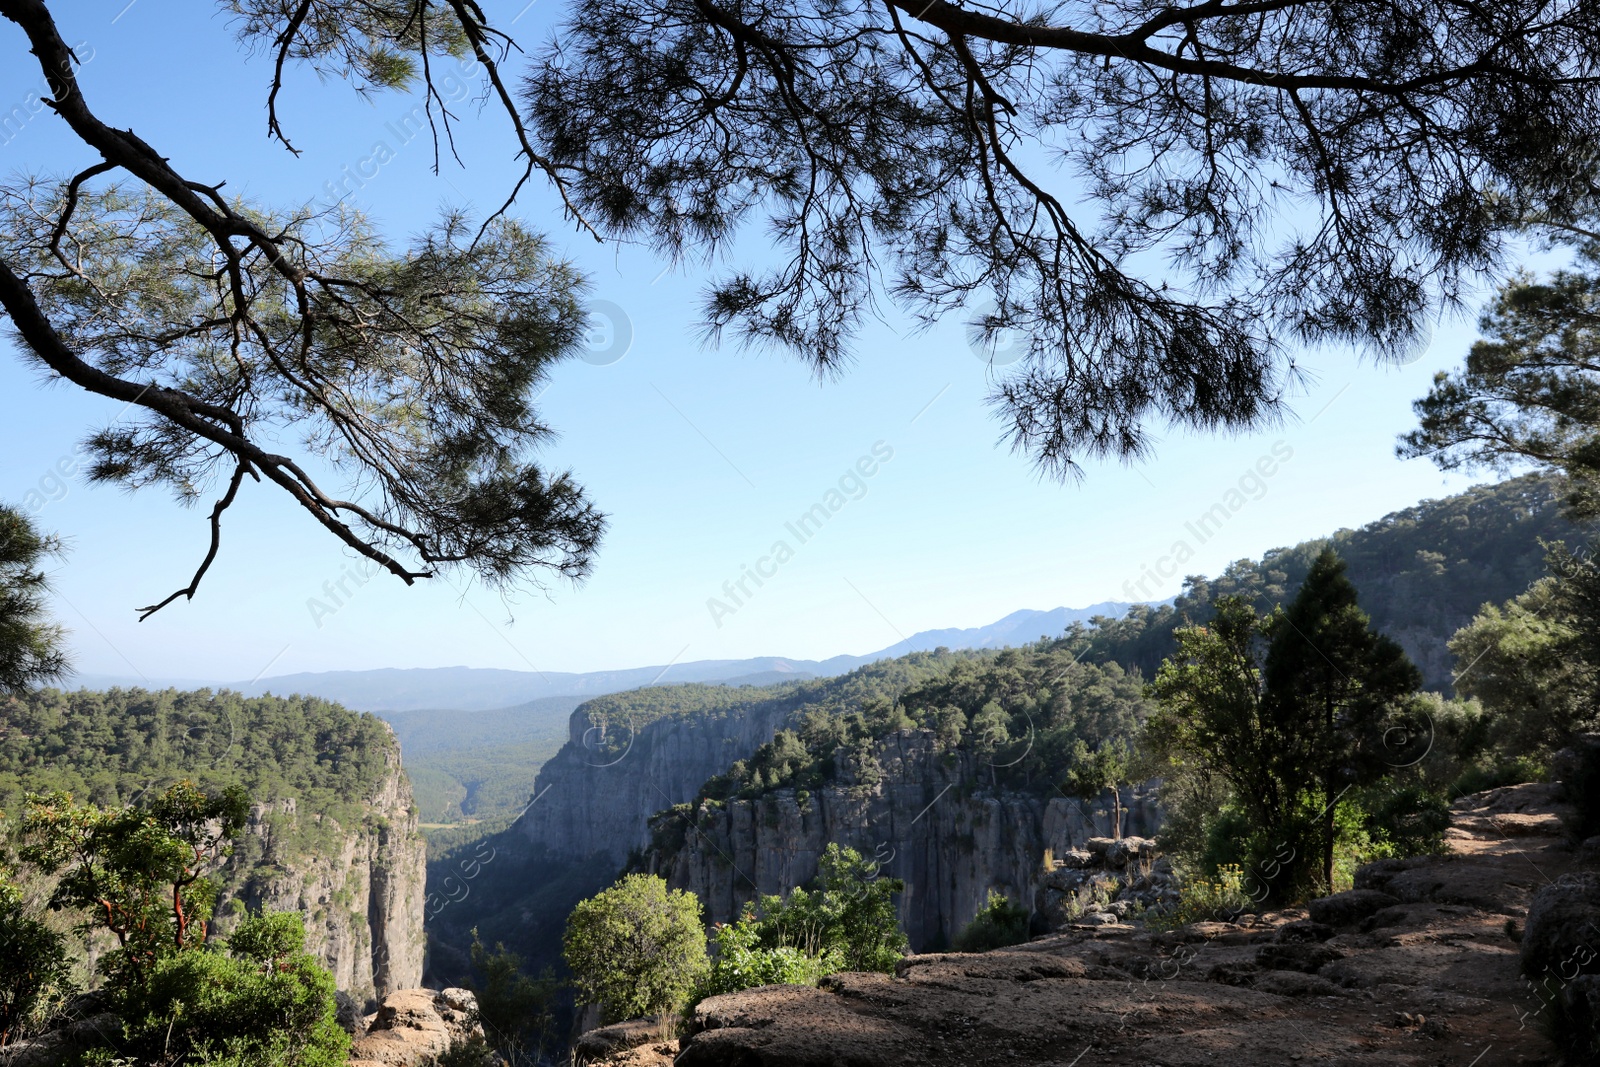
597,794
926,817
358,881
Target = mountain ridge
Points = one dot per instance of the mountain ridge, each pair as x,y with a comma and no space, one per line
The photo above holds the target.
413,689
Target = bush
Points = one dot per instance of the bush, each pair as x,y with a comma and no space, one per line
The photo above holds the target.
998,923
742,962
637,948
1410,819
472,1052
1219,899
261,1002
33,965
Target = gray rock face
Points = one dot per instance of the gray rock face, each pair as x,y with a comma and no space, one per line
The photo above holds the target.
360,887
921,815
598,793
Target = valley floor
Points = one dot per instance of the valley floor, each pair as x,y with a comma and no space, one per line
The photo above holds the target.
1419,969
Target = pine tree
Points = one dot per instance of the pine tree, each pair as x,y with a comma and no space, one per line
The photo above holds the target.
1332,683
30,645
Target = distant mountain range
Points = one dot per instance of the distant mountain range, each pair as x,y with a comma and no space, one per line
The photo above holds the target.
395,689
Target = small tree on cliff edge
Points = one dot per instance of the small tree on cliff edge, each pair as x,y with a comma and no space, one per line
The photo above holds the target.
637,948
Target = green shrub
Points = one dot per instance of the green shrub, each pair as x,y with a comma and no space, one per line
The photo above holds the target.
1515,771
743,963
473,1052
1410,819
1219,899
263,1001
637,948
848,910
33,965
998,923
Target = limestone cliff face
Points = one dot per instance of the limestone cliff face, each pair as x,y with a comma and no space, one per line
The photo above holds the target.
924,816
599,791
360,884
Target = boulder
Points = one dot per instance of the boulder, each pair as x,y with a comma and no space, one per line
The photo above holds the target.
1077,859
1121,853
1560,937
1350,907
1065,879
1296,956
1301,931
347,1010
47,1050
607,1041
1098,845
413,1027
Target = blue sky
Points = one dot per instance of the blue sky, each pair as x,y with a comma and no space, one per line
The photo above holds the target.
700,456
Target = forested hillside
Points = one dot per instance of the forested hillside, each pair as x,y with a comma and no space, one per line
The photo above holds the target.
332,832
110,747
1423,574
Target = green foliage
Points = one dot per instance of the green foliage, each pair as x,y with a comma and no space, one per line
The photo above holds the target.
30,644
998,923
1019,712
1528,393
141,874
516,1011
479,765
34,965
845,921
744,962
1221,898
262,1002
1410,819
1293,711
1522,661
1094,771
472,1052
637,948
110,747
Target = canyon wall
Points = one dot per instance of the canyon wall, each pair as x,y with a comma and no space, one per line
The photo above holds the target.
358,881
924,816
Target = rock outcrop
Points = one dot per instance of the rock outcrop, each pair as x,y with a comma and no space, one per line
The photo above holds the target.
360,886
412,1027
925,816
1434,978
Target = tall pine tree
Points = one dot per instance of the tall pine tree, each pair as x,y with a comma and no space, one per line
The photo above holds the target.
1333,684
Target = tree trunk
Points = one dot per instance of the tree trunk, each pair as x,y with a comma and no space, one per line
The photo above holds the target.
1327,835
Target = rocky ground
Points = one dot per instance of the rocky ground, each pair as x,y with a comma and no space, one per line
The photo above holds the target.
1419,965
